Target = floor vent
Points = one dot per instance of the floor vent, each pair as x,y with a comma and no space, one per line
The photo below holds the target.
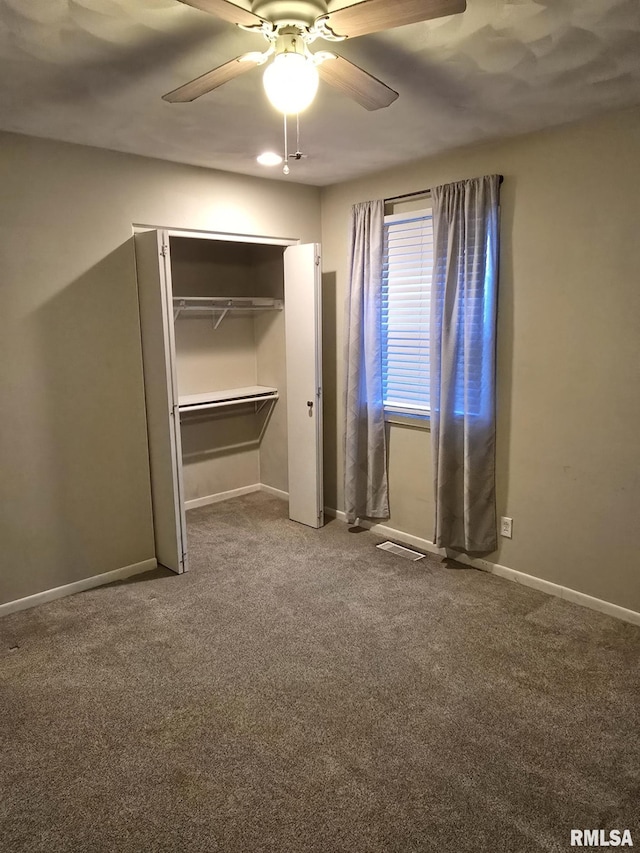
400,551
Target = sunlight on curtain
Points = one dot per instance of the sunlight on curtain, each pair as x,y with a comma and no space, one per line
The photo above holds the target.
463,335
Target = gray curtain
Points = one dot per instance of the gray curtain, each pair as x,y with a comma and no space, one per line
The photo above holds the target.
463,332
365,479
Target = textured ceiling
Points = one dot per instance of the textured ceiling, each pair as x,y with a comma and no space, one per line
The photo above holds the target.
93,72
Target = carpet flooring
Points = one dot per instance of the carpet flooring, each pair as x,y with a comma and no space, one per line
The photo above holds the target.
301,690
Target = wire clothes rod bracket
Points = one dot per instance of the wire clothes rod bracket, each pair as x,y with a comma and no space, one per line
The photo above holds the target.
219,306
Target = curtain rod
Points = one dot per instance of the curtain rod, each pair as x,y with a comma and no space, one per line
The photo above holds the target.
418,192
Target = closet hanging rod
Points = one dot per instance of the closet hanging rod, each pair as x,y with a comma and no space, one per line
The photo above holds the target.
226,403
227,395
223,304
216,303
258,300
418,193
223,307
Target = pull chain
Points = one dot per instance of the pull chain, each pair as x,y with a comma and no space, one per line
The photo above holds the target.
285,168
298,155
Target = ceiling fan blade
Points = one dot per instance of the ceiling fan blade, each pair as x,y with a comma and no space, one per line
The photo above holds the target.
212,79
227,11
372,16
355,83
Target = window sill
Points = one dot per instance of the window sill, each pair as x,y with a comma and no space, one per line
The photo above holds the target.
411,421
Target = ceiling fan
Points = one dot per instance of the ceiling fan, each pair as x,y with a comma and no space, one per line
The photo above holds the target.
290,26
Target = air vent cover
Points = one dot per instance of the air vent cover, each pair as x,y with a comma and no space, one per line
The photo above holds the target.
400,551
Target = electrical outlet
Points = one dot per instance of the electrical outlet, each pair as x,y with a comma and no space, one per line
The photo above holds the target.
506,526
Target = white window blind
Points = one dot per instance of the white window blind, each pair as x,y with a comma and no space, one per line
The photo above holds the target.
406,299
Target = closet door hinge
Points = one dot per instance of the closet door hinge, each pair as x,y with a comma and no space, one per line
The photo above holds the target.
317,260
164,250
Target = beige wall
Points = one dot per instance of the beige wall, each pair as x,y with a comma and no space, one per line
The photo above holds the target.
74,484
220,448
270,338
568,352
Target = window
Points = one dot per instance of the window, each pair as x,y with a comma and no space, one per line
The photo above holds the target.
406,300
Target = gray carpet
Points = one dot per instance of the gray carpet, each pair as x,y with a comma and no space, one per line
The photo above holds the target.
301,690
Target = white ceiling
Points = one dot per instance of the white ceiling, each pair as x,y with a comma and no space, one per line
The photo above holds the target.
94,71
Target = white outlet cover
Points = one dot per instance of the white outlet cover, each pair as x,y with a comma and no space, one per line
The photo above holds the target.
506,526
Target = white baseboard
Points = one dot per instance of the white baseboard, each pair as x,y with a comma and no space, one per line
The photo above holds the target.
383,530
496,569
235,493
277,493
221,496
136,568
77,586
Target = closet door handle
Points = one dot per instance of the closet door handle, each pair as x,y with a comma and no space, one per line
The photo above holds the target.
310,404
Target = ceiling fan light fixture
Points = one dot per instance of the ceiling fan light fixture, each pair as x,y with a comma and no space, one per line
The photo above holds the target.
291,82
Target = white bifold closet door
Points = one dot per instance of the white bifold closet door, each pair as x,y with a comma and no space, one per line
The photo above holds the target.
304,390
161,398
303,331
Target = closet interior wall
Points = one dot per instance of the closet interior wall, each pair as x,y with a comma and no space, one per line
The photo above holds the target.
231,447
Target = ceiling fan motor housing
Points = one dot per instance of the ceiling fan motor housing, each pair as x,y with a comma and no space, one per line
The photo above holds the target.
290,40
300,12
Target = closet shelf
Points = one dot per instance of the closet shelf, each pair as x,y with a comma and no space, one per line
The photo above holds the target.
258,394
219,306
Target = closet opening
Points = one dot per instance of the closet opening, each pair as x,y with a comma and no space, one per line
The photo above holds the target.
231,348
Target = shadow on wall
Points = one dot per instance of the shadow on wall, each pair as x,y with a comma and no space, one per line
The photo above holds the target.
330,389
271,364
89,491
224,433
